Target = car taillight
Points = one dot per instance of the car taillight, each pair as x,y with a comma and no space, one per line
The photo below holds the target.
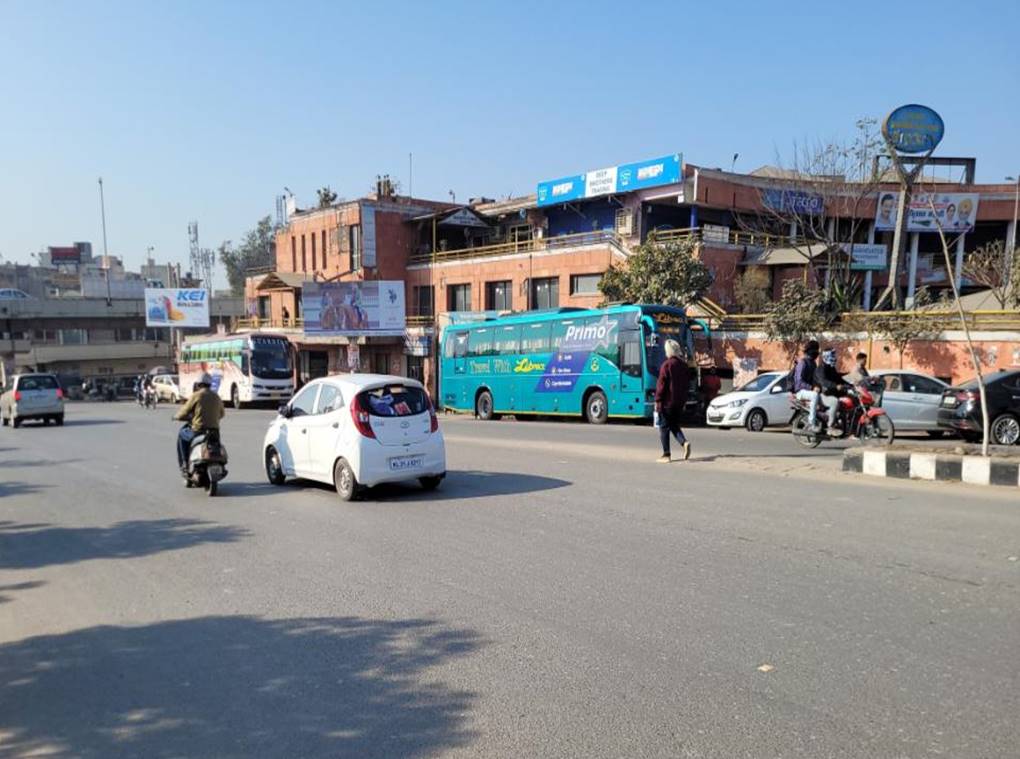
433,419
963,396
17,395
361,418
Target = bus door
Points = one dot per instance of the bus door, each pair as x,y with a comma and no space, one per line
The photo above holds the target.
632,380
459,379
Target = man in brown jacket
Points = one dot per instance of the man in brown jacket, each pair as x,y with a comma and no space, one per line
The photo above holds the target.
670,400
203,411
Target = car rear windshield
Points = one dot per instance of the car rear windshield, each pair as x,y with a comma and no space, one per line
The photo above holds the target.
395,400
41,382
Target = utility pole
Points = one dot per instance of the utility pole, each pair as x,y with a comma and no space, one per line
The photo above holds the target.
106,254
1011,248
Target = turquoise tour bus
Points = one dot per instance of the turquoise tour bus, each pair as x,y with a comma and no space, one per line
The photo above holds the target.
595,363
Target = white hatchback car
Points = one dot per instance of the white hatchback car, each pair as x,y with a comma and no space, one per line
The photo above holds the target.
354,431
762,402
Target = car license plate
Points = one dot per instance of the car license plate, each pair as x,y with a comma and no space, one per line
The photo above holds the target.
400,463
949,401
715,417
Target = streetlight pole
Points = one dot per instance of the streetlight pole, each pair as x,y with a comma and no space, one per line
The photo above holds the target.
106,255
1011,248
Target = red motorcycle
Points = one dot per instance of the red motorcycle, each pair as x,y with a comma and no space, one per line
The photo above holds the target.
859,415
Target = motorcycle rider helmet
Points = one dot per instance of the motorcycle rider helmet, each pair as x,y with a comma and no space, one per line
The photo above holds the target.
204,380
829,357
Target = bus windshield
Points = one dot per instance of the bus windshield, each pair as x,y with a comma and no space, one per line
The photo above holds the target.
655,352
271,359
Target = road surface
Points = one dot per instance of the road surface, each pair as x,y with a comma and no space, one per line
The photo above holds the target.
562,595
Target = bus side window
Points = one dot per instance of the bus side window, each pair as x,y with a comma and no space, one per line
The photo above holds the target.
630,353
507,340
480,342
460,344
559,331
535,338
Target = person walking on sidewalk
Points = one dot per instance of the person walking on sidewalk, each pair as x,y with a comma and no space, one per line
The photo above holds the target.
670,399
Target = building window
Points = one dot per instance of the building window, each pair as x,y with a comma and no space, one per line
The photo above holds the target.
304,260
422,305
585,284
124,335
545,292
293,253
499,295
355,239
458,298
314,258
73,337
416,368
323,249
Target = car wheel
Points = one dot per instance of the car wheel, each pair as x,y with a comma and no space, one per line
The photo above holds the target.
483,406
430,483
274,467
1005,430
59,420
756,420
596,409
347,486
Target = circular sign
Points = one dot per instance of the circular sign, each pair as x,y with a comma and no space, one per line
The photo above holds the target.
913,129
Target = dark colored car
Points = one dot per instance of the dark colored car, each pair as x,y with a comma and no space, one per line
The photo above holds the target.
960,409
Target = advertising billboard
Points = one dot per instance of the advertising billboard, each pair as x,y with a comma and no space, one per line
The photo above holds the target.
913,129
65,255
176,307
354,308
954,212
867,256
624,178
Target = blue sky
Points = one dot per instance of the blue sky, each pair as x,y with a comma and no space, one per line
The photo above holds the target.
206,110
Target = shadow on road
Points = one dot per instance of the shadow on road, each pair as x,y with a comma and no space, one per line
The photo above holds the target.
826,453
91,422
34,546
457,485
19,488
19,463
5,589
236,687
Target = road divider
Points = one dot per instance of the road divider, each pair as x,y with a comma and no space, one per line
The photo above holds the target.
1003,471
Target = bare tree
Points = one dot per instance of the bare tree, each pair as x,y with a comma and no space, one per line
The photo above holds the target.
821,196
975,361
989,266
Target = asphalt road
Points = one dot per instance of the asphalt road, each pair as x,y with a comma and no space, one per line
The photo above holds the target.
560,596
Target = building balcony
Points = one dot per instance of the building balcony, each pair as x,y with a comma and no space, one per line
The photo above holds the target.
600,238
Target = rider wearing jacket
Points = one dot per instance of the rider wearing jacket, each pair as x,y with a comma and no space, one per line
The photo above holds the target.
203,411
831,383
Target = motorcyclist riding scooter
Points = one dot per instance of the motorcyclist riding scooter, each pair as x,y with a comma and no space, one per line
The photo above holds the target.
200,454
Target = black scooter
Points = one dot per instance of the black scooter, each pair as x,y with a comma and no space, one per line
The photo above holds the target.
207,462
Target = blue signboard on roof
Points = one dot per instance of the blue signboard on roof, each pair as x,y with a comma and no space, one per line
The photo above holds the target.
560,190
913,129
658,171
625,178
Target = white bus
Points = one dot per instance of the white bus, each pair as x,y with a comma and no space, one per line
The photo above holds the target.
244,368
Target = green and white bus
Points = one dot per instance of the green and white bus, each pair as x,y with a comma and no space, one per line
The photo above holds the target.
244,368
595,363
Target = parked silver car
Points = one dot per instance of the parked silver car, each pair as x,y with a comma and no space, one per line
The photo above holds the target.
167,387
911,400
32,396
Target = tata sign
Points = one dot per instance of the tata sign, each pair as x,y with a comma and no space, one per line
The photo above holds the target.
176,307
793,201
614,179
913,129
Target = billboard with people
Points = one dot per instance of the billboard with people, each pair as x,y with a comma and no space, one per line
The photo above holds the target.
953,212
354,308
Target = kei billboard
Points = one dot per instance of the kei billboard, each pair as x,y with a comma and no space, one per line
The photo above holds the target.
176,307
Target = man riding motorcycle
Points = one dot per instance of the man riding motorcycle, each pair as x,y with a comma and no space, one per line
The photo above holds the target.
204,410
831,383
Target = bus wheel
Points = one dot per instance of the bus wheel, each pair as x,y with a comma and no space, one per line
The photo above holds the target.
235,397
483,406
596,410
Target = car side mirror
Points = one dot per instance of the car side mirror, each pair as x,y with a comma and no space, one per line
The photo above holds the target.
776,389
284,410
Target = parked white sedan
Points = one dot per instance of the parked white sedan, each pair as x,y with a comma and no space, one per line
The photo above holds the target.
762,402
354,431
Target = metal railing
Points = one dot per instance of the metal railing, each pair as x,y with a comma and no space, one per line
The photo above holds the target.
737,237
598,237
857,321
256,322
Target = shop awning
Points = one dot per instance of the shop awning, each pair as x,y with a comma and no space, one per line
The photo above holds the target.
789,256
282,281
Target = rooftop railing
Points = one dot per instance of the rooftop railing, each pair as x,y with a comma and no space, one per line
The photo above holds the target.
597,237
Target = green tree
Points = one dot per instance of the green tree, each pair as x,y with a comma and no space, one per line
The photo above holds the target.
326,197
751,291
658,272
802,312
257,251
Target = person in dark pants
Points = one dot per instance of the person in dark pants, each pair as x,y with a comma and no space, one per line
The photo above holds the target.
670,399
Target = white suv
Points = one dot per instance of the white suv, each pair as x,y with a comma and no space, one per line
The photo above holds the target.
355,431
32,396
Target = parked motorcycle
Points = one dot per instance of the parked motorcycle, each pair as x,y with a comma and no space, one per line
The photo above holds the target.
207,462
859,415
